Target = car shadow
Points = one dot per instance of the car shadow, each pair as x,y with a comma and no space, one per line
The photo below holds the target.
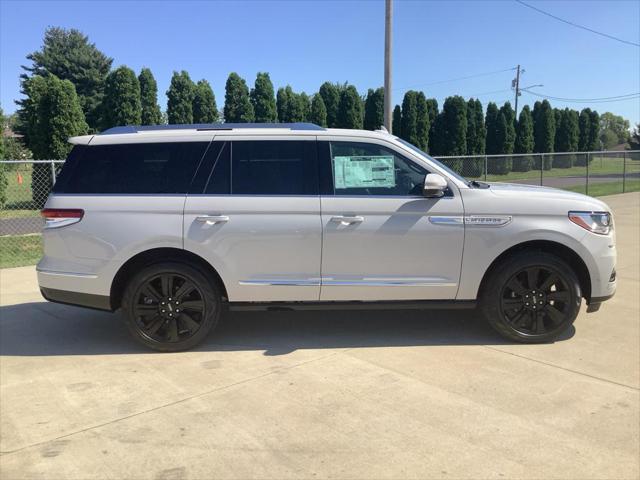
45,329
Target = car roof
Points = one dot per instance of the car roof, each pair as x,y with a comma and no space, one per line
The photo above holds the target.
194,132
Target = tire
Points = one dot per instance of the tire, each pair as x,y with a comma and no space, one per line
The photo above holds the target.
511,307
171,306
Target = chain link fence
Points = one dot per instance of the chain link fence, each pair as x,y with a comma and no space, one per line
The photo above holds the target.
28,183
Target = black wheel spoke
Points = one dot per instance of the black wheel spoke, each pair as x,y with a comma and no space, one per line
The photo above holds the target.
144,310
532,277
517,317
512,303
167,284
186,288
551,279
189,323
558,296
516,286
172,334
554,314
149,291
154,325
539,323
197,305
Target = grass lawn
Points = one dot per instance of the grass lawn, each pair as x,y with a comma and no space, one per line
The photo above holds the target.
20,213
609,188
20,250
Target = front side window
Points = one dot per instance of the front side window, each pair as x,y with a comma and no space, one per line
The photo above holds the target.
369,169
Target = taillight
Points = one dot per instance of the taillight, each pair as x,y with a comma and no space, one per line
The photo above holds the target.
61,217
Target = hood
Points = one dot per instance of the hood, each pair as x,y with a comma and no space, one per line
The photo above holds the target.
538,195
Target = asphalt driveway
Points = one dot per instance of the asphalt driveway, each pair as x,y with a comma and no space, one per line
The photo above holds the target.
322,394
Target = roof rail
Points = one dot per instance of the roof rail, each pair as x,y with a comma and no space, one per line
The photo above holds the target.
209,126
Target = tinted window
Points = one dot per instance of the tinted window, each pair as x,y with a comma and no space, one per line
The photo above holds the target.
273,168
369,169
134,168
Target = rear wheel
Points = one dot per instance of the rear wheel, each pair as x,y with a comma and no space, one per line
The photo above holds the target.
532,297
171,306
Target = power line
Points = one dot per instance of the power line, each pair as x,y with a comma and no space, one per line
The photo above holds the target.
577,26
456,79
616,98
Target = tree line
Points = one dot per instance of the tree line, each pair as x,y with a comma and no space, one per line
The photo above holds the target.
71,89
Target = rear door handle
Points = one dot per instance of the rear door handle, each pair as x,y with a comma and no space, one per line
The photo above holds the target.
212,219
347,220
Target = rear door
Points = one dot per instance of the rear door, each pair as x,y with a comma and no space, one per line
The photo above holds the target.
383,240
255,216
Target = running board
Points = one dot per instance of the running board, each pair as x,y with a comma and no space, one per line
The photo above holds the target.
375,305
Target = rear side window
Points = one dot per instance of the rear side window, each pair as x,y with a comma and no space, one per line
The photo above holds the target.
273,168
133,168
257,167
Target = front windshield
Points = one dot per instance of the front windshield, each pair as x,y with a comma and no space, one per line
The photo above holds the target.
440,164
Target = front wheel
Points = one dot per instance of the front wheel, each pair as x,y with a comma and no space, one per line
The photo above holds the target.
171,306
532,297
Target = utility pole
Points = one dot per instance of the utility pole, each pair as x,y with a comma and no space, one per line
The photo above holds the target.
388,18
517,86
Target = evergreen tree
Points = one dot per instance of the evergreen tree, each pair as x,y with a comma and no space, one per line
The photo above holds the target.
121,105
237,105
557,116
481,130
290,105
180,99
318,111
350,109
422,125
584,124
432,109
454,116
150,114
374,109
544,131
567,137
283,104
305,106
263,99
330,94
594,132
472,134
410,117
57,116
491,122
510,133
3,178
501,165
396,123
205,109
69,55
524,140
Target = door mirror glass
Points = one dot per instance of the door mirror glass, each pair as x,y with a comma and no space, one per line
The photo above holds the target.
434,186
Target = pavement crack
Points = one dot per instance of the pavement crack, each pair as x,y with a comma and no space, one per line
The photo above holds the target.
175,402
595,377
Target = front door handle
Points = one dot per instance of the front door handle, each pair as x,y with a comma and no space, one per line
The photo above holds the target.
347,220
212,219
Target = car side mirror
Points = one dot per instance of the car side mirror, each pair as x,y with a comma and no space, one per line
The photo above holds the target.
434,186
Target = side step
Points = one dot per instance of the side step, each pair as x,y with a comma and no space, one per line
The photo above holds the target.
376,305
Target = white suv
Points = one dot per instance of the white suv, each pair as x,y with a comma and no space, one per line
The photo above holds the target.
174,224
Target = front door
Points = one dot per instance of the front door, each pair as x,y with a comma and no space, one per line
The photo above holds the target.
255,217
382,240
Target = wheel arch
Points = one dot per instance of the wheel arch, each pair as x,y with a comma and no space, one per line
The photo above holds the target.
565,253
152,257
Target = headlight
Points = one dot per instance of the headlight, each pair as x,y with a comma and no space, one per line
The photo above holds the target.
596,222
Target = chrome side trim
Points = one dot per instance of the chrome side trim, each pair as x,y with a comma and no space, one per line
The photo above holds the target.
66,274
281,283
443,220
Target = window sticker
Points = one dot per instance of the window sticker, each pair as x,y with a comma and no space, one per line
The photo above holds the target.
364,171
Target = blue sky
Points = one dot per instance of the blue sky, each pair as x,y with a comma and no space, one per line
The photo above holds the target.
304,43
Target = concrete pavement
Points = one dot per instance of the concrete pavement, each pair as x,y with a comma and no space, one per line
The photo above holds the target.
322,394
